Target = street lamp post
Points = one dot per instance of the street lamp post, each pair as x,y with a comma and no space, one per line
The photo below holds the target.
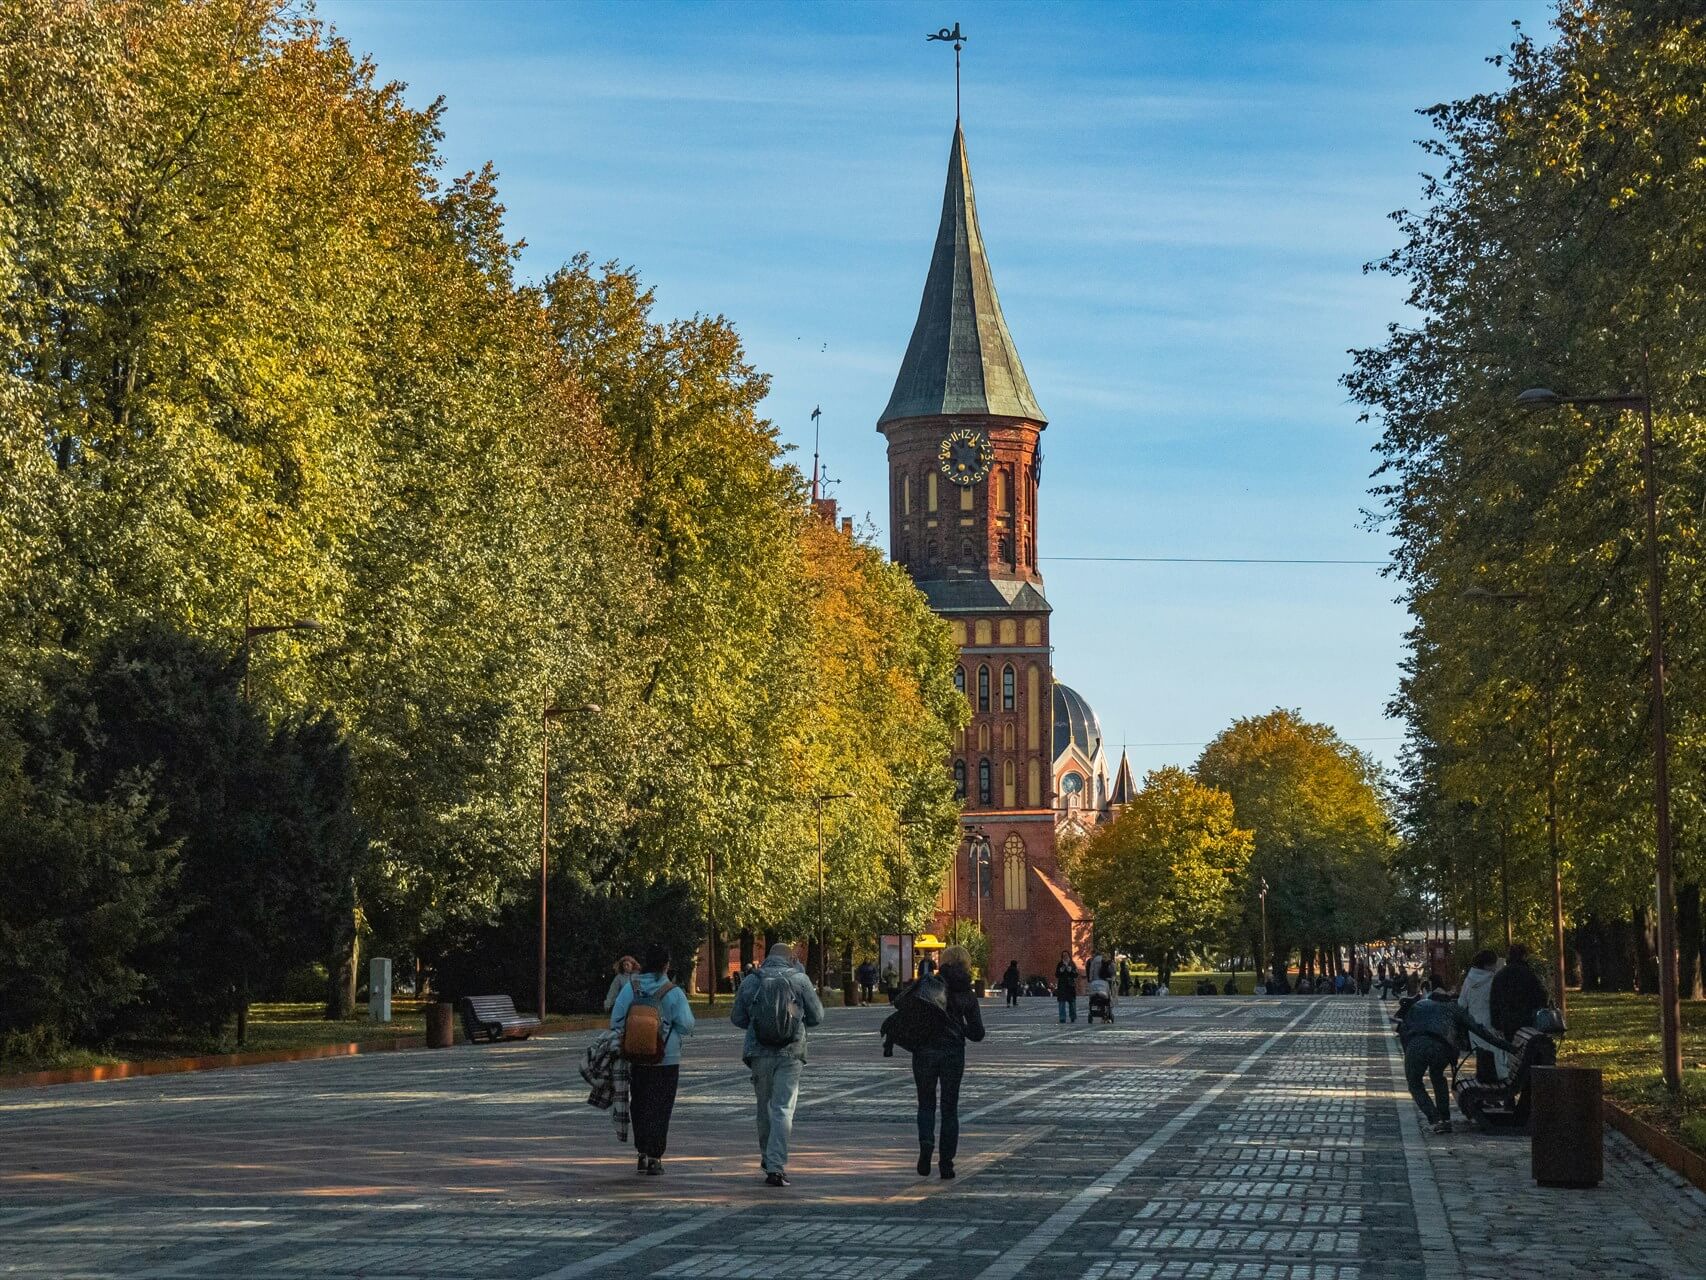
250,633
545,718
1262,893
977,855
1670,1009
711,961
822,943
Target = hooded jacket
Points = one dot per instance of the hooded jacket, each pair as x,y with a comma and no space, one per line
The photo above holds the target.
676,1013
1476,997
741,1014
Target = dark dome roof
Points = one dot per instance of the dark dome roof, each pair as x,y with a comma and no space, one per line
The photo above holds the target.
1075,724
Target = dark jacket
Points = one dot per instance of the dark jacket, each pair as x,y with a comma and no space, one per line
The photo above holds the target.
1066,981
965,1015
1444,1020
1011,979
1516,994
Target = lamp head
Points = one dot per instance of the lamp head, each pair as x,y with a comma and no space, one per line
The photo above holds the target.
1538,398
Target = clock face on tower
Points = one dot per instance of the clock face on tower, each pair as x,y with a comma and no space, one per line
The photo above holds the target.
965,456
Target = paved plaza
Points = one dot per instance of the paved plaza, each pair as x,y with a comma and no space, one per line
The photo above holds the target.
1197,1139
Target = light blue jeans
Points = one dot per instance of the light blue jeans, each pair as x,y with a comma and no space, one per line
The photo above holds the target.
776,1081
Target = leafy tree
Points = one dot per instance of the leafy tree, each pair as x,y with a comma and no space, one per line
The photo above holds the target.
267,846
89,882
1324,841
1163,878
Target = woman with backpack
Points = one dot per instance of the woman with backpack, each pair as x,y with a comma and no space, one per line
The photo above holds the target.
650,1018
939,1062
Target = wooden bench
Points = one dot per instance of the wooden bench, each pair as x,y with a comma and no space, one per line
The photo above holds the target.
494,1018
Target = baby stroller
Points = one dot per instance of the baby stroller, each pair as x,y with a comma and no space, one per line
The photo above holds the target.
1505,1105
1101,1001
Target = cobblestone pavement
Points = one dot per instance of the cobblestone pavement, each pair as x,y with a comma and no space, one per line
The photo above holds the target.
1196,1139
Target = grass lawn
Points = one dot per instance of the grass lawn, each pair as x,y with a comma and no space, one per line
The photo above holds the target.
1619,1034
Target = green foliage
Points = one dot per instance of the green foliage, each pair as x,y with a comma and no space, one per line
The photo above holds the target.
267,846
591,928
1324,841
261,350
1559,240
965,933
88,886
1163,878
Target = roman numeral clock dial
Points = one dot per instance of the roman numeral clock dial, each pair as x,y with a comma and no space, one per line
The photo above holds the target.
965,456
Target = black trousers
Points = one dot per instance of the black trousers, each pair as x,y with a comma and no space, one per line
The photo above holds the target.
1428,1056
651,1099
1012,995
941,1070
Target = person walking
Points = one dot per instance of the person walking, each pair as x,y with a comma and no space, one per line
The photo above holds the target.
939,1063
1066,986
1432,1032
1012,983
625,969
652,1084
775,1005
1125,976
1517,993
867,975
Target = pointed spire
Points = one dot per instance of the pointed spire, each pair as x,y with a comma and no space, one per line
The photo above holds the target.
961,358
1124,789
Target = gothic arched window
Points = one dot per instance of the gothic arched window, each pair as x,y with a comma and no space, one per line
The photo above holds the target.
1004,548
1009,786
1007,688
959,779
983,688
960,679
1013,873
985,782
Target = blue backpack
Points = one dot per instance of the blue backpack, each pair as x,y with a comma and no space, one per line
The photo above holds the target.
778,1016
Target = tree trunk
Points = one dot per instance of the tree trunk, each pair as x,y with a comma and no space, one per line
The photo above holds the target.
1689,984
243,1006
746,941
1620,964
717,967
770,940
1646,951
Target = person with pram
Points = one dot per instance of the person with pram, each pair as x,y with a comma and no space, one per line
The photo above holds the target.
1101,990
1432,1030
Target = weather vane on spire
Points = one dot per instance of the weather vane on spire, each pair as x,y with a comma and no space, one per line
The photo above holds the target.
958,41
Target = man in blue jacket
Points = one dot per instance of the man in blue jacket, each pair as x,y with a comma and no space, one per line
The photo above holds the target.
775,1005
1432,1031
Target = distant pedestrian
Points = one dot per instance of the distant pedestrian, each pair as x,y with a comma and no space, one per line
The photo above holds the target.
625,968
653,1011
1012,983
867,975
775,1005
926,967
1517,993
1231,987
1125,977
1066,986
888,980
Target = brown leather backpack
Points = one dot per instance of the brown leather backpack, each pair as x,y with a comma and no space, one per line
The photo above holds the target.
644,1033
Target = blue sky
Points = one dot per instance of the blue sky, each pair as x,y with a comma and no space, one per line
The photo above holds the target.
1177,201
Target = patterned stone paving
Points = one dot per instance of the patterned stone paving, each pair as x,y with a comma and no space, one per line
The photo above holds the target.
1204,1138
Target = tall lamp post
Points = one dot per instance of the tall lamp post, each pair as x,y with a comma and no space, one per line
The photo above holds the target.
977,857
1670,1008
822,943
1482,595
250,633
711,961
545,718
1262,964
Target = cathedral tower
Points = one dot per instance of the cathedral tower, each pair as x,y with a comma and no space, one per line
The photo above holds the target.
965,465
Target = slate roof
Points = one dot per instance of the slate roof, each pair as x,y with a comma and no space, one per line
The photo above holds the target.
961,358
983,595
1124,789
1075,724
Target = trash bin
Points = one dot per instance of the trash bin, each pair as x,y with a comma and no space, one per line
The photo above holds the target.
441,1025
1567,1142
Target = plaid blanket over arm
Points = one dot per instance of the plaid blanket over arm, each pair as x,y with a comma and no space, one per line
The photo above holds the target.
606,1070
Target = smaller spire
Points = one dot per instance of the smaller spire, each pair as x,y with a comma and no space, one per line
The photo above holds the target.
1124,790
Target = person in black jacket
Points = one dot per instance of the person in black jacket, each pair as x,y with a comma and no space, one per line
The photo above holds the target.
1516,994
1066,986
1013,983
939,1065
